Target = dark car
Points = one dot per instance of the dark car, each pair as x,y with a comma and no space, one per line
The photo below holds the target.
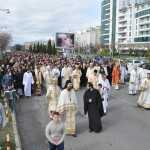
147,66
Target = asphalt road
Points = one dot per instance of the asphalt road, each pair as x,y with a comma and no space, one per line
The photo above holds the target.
125,127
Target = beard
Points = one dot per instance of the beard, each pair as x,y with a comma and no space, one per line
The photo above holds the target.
69,88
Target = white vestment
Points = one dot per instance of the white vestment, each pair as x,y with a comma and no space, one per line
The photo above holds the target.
134,82
43,71
56,73
68,106
94,80
89,72
65,74
142,74
144,99
27,81
97,68
48,77
106,87
53,93
123,74
105,69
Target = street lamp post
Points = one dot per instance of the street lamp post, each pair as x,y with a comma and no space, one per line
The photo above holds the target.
7,10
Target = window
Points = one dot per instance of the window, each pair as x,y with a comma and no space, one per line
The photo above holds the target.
130,22
131,10
142,13
129,33
130,15
135,33
130,28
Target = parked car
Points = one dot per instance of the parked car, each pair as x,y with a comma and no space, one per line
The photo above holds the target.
147,66
134,62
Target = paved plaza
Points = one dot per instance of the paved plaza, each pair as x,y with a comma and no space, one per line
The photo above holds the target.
125,127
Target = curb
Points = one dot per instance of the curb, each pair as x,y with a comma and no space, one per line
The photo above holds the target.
16,133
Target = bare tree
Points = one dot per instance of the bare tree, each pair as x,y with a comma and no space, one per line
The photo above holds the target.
5,39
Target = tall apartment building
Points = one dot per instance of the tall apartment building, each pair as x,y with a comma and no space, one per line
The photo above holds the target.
127,24
88,37
133,25
108,21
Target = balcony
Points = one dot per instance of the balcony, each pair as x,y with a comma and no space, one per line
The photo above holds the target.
144,22
123,20
122,15
144,29
122,41
122,31
122,25
144,33
122,37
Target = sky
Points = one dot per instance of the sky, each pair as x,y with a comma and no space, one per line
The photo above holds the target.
31,20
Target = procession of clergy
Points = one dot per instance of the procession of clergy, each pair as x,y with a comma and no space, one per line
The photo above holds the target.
56,73
101,78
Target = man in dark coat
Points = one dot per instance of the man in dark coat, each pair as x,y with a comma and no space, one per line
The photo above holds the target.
19,80
109,70
93,105
83,77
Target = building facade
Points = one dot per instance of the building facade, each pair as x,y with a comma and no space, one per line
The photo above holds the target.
133,26
108,21
88,37
126,24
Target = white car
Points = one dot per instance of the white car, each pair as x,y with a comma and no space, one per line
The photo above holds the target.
134,62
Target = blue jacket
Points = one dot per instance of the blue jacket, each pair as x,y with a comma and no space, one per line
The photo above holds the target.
7,79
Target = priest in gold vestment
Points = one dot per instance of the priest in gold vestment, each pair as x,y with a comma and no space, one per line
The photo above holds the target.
53,93
76,75
48,76
65,74
94,78
38,82
144,99
67,107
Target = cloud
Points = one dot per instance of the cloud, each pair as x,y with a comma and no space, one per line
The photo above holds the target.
31,20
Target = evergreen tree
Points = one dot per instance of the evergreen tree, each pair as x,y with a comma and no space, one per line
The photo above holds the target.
18,47
44,49
41,48
30,48
49,47
148,55
54,52
34,49
38,48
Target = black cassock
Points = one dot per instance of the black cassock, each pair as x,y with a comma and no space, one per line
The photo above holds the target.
94,109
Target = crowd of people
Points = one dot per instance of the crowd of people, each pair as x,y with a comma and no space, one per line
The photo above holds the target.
24,73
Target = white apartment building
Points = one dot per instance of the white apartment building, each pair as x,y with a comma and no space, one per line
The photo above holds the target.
133,26
87,37
125,23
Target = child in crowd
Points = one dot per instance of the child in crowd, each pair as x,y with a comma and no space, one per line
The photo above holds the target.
11,95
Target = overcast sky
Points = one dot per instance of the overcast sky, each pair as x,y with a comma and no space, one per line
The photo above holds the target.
32,20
